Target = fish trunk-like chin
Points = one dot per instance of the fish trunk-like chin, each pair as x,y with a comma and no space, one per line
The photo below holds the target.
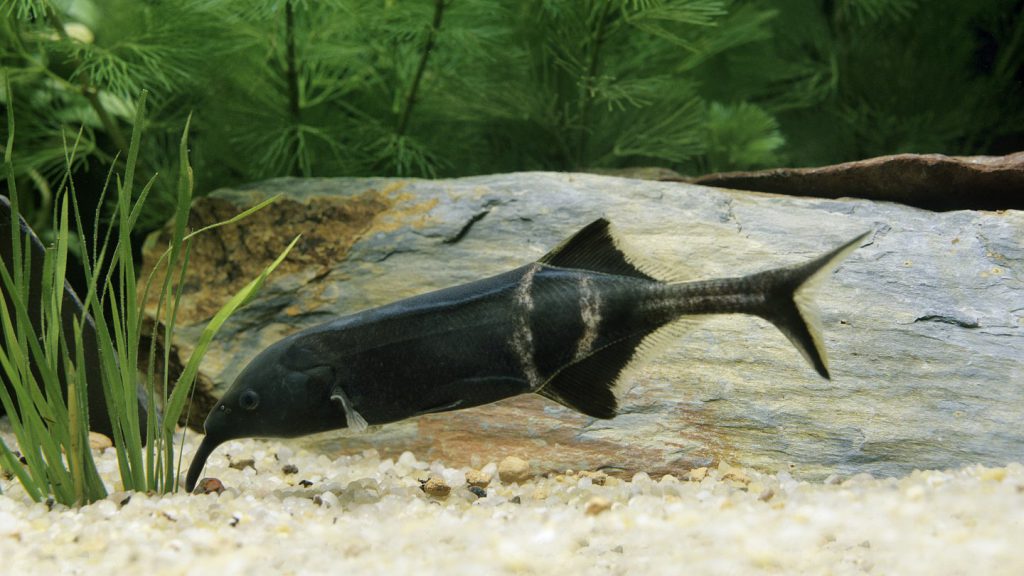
206,448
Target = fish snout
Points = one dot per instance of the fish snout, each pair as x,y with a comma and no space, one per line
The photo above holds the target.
206,447
217,429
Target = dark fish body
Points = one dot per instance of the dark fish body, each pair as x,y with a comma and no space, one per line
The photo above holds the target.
565,327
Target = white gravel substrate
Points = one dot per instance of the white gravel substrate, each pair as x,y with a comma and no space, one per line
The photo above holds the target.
364,515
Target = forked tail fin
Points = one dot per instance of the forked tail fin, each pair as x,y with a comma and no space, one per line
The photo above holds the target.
789,307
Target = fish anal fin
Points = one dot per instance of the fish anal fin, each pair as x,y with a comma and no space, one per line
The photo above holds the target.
588,386
353,419
593,248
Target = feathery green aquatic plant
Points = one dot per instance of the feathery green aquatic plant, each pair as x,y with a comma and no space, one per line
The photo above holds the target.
459,87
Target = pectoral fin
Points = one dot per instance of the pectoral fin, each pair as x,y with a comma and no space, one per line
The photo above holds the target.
354,419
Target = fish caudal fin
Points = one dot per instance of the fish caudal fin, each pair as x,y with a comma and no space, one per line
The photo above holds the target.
788,305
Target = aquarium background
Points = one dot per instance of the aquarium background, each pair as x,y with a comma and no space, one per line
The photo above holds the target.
445,88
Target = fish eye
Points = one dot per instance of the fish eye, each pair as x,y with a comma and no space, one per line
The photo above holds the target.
249,400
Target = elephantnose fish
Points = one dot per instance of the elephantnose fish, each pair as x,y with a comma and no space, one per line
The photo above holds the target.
566,327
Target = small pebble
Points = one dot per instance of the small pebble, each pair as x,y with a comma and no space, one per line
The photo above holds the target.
290,469
698,474
993,474
243,464
327,500
478,478
478,491
305,483
641,479
436,488
597,505
209,485
597,477
514,470
120,498
99,441
766,495
736,477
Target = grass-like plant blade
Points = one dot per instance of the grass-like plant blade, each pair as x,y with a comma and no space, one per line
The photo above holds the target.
155,464
88,476
28,410
185,187
119,343
184,385
45,352
34,415
88,486
240,216
75,426
78,419
33,487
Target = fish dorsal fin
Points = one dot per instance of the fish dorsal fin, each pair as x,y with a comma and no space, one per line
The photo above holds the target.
593,248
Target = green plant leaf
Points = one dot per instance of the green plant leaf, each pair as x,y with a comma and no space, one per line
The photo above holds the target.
183,388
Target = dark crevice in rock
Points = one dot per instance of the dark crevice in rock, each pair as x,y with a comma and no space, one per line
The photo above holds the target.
729,215
961,322
466,227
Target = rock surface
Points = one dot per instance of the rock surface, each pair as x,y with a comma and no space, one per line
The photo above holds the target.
931,181
924,324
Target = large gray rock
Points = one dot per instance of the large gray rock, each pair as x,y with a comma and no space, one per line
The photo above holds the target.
924,324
